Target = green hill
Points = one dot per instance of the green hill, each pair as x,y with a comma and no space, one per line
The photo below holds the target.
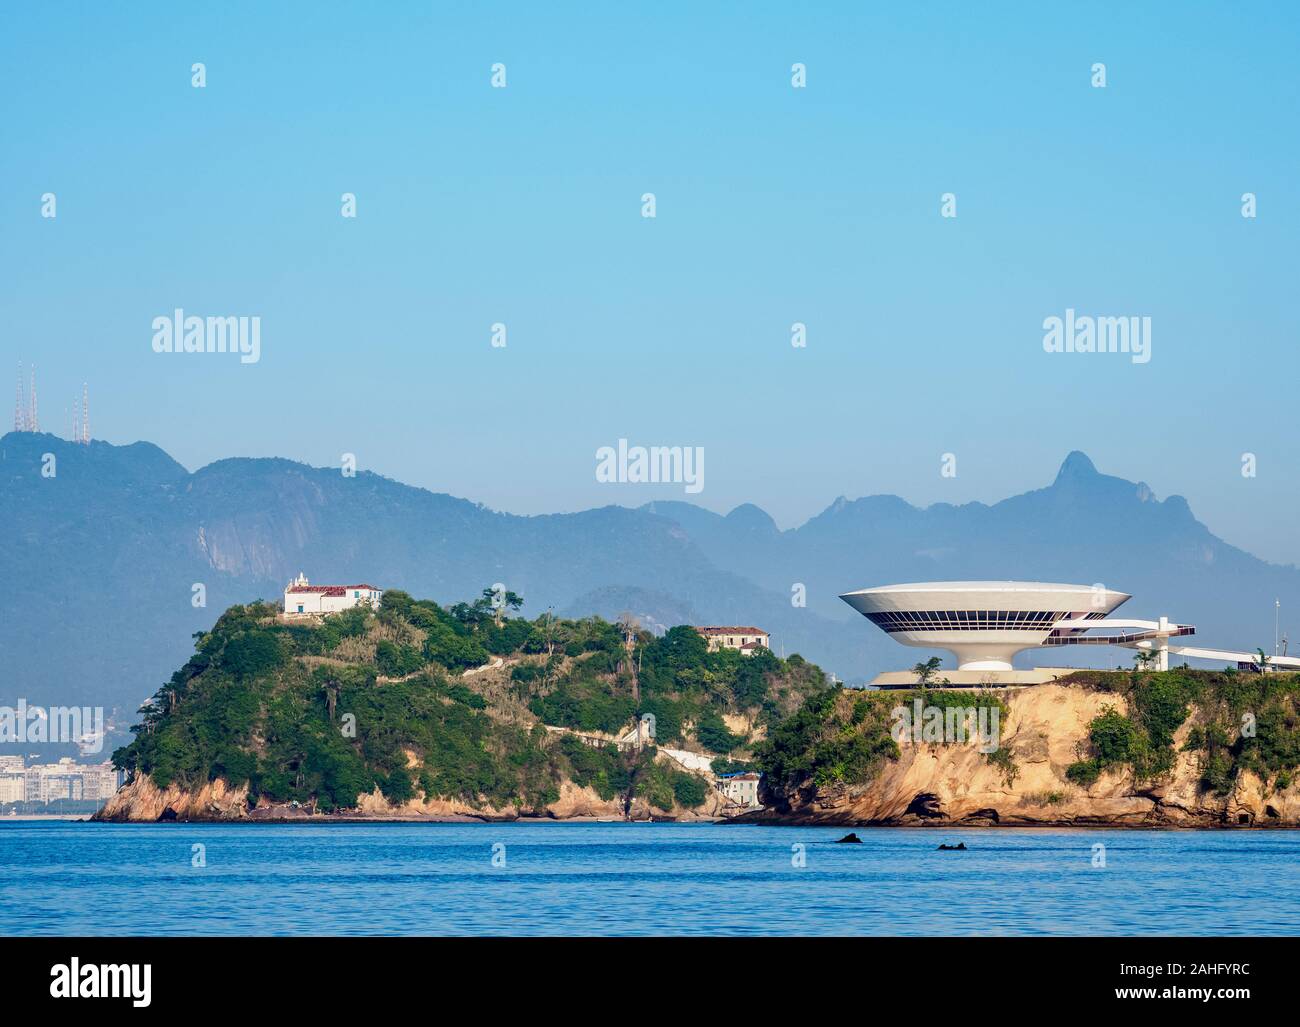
324,712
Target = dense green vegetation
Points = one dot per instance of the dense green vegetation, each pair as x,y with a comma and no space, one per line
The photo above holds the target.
1236,722
679,682
836,737
324,712
845,736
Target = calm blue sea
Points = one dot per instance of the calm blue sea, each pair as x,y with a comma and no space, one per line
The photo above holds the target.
657,879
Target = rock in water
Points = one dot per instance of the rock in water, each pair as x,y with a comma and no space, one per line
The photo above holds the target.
851,838
959,847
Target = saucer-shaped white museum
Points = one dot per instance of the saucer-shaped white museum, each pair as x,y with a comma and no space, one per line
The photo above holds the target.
984,624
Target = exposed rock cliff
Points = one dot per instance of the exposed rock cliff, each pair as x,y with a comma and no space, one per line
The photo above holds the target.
141,800
1046,729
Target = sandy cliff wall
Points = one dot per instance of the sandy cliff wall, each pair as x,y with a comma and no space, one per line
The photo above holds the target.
142,800
930,784
947,784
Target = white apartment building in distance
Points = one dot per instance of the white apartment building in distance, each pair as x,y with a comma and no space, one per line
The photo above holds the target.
13,787
66,779
13,779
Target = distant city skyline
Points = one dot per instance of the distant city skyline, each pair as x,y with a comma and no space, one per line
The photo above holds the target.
775,206
56,780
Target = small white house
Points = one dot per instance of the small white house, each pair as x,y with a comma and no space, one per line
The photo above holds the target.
303,598
740,788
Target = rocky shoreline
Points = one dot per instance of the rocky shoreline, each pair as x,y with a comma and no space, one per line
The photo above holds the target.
955,785
142,801
952,785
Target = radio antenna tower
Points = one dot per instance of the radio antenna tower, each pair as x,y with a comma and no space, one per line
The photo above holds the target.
85,415
20,420
33,420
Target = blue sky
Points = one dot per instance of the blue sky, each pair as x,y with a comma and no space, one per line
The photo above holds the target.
775,205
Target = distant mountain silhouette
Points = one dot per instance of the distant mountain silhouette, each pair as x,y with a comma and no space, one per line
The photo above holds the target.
1085,527
101,559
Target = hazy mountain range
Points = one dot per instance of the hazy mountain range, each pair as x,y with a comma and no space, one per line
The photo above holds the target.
99,562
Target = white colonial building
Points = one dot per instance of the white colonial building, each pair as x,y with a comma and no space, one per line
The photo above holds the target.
303,598
740,788
746,639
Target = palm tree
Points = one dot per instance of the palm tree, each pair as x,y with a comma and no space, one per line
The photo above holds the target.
1144,658
630,626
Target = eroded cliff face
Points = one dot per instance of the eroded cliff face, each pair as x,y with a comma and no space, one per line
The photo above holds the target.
142,800
954,784
930,784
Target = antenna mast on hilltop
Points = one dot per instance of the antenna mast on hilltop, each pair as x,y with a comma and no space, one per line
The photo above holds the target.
27,413
20,420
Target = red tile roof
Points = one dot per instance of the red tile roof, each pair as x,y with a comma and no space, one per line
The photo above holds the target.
329,590
731,631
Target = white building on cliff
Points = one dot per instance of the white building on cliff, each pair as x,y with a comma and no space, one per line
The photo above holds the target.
746,639
302,598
